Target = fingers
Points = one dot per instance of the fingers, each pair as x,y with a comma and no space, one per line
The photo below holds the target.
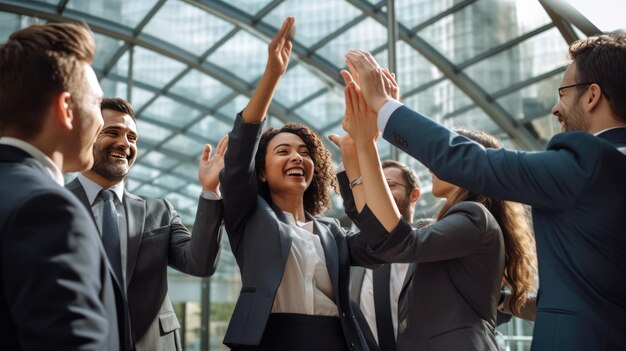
335,139
206,153
348,98
347,77
285,29
222,146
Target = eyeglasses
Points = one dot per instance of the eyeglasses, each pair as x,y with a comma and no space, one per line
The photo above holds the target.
392,185
570,86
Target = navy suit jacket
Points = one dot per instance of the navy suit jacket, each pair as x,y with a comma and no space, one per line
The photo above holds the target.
578,196
259,237
55,289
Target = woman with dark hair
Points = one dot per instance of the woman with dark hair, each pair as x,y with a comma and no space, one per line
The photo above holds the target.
459,263
294,264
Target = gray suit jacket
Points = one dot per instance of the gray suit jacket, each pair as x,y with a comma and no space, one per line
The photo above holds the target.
156,239
56,292
578,198
448,301
260,240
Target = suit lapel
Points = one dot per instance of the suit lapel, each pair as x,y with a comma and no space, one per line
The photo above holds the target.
330,253
135,208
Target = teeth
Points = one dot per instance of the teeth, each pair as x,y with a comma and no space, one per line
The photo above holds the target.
295,172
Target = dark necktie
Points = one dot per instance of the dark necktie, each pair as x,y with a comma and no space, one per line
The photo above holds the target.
382,306
111,233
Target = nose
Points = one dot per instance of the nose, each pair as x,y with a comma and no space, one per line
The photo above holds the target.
296,157
555,109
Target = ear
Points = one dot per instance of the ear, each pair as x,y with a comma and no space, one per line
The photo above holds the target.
415,194
262,176
593,97
63,110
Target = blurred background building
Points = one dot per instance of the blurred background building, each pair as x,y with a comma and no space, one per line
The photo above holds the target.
188,66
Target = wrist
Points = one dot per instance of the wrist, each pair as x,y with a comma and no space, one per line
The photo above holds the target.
379,103
356,181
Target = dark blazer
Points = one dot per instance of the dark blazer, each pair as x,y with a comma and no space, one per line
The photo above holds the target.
55,289
156,239
578,197
449,297
260,240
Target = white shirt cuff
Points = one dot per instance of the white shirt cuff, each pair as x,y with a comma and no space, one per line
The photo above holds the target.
209,195
385,113
340,168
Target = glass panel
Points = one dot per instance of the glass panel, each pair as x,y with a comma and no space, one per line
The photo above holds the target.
413,12
192,190
297,84
413,69
51,2
182,203
225,288
131,184
113,88
314,19
537,55
121,66
10,23
596,12
152,68
184,145
159,160
249,6
481,26
188,170
201,88
275,122
128,13
169,181
142,172
438,100
324,110
367,35
533,100
187,26
106,47
210,128
244,55
166,110
473,119
152,133
234,106
151,191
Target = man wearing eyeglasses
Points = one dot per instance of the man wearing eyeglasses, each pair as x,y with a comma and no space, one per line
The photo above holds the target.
576,189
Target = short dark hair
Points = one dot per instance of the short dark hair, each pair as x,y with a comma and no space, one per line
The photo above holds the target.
602,60
38,63
408,174
118,104
317,195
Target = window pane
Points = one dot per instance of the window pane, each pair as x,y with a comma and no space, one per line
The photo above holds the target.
314,19
166,110
324,110
106,47
184,145
244,55
152,191
533,100
413,12
159,160
296,84
210,128
169,181
142,172
187,26
438,100
152,133
152,68
249,6
201,88
128,13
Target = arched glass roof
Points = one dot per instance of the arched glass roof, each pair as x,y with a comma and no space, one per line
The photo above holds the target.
188,66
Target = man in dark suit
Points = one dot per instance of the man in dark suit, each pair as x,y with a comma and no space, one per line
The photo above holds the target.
575,189
55,289
377,291
149,235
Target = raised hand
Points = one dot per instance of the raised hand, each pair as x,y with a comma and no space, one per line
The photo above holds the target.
209,167
359,121
279,49
372,79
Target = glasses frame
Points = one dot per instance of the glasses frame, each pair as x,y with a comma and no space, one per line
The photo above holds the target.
570,86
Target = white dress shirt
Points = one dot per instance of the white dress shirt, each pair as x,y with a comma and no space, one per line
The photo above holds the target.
92,189
306,287
396,280
46,162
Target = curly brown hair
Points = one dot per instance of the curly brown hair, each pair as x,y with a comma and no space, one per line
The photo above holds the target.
317,195
520,257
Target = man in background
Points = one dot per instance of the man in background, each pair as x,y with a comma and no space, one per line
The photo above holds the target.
55,288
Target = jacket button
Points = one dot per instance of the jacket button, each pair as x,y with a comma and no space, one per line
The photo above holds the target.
352,346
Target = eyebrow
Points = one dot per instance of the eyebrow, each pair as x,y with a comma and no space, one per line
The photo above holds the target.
288,145
130,131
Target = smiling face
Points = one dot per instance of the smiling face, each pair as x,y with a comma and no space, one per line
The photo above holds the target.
288,165
568,110
116,147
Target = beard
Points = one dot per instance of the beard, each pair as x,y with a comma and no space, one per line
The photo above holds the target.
108,170
574,121
404,207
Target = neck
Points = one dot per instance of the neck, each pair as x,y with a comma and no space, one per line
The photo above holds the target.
98,179
410,213
293,204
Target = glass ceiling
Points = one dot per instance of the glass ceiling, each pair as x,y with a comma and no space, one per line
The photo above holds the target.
189,66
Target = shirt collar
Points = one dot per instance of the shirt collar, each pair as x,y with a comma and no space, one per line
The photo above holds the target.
92,189
50,167
606,130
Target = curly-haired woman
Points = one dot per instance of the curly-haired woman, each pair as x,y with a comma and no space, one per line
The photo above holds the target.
294,264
